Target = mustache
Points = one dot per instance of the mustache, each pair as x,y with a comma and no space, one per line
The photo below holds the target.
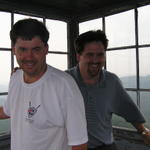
95,63
28,61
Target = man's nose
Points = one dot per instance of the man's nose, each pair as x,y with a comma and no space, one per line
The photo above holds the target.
29,53
95,58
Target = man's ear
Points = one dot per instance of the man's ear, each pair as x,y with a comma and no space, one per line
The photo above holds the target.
78,57
13,50
46,49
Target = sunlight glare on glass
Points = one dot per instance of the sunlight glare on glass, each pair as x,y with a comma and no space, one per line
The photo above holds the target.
144,62
5,63
123,63
144,23
94,24
58,35
5,29
120,29
57,60
18,17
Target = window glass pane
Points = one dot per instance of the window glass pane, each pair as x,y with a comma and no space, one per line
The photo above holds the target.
58,35
90,25
5,29
19,17
123,63
119,28
57,60
144,56
4,124
145,106
119,121
5,64
144,23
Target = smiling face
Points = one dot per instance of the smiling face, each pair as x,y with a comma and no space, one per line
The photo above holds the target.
91,60
31,56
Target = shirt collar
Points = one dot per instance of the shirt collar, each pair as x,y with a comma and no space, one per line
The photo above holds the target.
101,82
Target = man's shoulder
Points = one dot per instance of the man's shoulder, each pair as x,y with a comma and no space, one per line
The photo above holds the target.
72,71
16,74
57,74
110,75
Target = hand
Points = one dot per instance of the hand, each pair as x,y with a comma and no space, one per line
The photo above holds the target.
144,131
15,69
80,147
146,136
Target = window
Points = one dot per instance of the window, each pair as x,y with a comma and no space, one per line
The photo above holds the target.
53,60
4,29
58,35
119,28
57,43
20,16
90,25
4,124
5,63
144,23
123,63
144,55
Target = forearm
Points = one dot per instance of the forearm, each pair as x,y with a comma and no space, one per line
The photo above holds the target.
80,147
2,114
140,127
145,132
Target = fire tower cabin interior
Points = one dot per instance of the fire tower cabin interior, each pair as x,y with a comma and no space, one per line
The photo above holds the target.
126,24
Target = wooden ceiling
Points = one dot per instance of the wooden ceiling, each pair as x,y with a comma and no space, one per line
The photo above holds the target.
79,10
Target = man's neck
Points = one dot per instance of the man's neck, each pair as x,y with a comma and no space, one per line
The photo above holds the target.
90,81
33,78
87,79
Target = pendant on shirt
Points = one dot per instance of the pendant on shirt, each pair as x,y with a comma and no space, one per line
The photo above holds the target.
31,112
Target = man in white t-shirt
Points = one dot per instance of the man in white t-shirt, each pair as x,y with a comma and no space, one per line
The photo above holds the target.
45,105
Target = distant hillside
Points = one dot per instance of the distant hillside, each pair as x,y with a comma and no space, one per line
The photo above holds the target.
130,81
145,82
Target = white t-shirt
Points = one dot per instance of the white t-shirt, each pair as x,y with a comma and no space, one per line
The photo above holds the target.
47,114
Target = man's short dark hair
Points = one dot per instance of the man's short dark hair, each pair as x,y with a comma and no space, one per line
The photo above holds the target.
27,29
90,36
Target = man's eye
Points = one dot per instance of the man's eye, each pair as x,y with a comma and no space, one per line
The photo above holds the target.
37,49
22,49
101,54
89,54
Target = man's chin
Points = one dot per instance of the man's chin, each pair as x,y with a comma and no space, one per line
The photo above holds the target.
28,71
94,74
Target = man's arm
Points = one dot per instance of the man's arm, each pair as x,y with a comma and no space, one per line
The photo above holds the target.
145,132
80,147
2,114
